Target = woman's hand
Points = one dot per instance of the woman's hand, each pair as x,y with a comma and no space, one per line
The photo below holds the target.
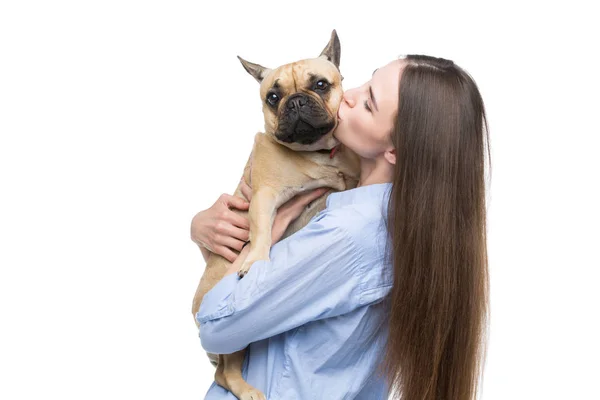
288,212
218,229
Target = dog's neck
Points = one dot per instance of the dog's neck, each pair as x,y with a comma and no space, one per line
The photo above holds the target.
332,151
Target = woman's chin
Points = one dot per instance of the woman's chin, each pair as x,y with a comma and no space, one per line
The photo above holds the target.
334,134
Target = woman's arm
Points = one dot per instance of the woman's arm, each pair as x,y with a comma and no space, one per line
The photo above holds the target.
218,229
311,275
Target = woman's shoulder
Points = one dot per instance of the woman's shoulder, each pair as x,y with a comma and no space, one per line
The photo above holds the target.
358,214
361,205
362,211
365,226
359,219
364,223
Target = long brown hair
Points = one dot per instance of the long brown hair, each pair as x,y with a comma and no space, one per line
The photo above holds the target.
439,304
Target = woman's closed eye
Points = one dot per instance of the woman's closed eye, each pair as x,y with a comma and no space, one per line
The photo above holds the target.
367,106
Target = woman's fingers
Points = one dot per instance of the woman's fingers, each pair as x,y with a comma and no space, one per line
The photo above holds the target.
246,190
238,203
233,243
235,232
225,253
237,220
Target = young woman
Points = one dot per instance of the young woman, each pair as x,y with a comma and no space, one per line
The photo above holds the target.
386,290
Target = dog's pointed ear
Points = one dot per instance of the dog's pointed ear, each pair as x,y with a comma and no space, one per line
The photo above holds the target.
257,71
333,50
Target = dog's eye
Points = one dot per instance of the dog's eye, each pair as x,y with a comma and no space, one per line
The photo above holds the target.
272,98
322,85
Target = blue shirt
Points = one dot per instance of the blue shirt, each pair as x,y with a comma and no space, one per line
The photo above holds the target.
312,316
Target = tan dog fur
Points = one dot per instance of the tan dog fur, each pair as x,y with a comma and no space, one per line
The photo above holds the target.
277,172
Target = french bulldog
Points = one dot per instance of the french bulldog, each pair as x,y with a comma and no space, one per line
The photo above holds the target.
297,152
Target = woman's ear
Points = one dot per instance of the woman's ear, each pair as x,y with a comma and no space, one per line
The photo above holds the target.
390,156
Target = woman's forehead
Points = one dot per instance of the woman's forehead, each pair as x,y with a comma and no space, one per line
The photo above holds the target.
390,71
386,83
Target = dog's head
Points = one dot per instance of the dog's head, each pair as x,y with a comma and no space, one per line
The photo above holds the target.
301,99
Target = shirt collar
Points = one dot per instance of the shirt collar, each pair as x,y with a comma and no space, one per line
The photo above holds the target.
362,194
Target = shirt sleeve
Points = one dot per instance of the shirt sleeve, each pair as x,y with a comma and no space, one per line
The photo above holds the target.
311,275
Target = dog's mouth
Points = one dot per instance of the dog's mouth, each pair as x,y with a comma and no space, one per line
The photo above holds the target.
303,132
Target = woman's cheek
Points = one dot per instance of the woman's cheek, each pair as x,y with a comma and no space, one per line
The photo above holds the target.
360,127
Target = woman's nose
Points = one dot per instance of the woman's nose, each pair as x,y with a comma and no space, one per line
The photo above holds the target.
349,98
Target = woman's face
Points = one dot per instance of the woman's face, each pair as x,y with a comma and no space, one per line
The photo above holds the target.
366,114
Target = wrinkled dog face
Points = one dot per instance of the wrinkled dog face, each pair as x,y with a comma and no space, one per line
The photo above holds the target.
301,99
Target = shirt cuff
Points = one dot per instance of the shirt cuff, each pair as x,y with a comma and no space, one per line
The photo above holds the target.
216,302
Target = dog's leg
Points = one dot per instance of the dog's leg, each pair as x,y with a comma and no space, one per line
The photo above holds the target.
263,208
229,376
261,215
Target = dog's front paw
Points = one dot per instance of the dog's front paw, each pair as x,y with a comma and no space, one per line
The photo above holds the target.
251,259
244,268
252,394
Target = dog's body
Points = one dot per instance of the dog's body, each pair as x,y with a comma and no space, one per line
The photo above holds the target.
295,154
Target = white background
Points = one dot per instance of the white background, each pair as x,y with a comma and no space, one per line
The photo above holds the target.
120,120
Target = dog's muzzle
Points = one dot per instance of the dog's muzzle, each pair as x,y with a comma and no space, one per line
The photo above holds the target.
303,120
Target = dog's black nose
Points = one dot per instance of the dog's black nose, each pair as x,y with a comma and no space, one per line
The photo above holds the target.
296,101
